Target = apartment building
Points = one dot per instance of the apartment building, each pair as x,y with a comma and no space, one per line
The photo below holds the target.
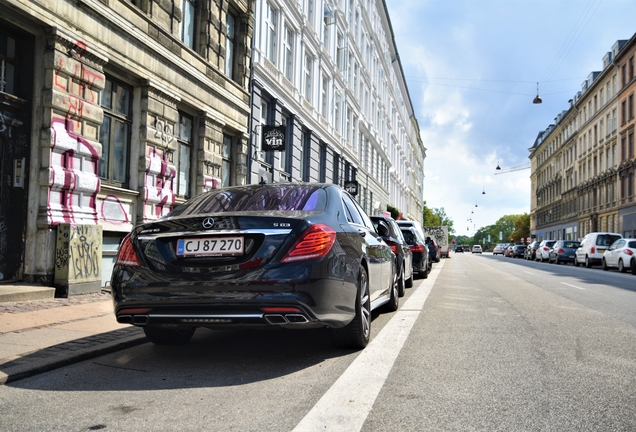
627,164
576,161
330,103
112,113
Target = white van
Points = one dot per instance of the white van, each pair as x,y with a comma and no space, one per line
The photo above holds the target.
592,248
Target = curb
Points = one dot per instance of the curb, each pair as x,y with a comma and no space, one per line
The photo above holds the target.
68,353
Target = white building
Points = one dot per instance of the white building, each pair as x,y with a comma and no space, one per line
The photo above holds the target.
329,73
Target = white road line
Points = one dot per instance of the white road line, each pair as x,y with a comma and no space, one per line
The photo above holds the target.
573,286
346,405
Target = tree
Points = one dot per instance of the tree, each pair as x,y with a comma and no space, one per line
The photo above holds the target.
429,218
444,220
522,227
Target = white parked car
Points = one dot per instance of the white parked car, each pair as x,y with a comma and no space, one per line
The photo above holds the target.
622,255
477,249
543,251
592,248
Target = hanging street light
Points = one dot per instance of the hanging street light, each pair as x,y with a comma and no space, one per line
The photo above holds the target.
537,99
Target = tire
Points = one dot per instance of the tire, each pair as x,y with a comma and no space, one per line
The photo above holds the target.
400,283
605,267
425,273
169,336
556,260
588,264
621,266
576,262
409,282
633,266
356,334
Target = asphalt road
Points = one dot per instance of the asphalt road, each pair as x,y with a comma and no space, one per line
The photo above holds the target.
486,343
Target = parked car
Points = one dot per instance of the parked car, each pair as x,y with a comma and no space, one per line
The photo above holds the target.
392,235
459,249
411,224
293,255
477,249
622,255
517,251
563,251
543,251
593,246
531,250
499,249
420,251
508,251
434,250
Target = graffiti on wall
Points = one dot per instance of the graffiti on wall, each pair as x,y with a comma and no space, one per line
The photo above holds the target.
68,179
78,253
160,196
114,211
164,131
7,123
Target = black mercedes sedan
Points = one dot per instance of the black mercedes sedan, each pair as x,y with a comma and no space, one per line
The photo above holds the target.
296,255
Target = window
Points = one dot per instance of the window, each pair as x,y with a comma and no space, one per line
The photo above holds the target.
186,26
336,169
324,97
226,169
270,28
288,53
323,163
7,63
310,12
282,155
230,40
631,145
264,120
114,133
183,155
308,75
630,106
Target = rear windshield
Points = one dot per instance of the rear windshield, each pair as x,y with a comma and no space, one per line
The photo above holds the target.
571,244
284,197
409,237
632,244
606,239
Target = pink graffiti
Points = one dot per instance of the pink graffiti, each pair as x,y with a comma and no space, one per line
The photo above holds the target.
158,185
112,206
64,135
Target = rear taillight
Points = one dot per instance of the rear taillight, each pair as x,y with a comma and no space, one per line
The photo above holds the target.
629,252
394,246
416,248
315,242
592,249
546,248
561,251
126,255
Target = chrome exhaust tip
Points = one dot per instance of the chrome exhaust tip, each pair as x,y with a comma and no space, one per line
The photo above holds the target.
275,319
140,320
296,319
124,319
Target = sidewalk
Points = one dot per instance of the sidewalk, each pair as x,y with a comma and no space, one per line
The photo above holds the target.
40,333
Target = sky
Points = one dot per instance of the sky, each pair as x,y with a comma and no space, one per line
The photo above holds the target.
472,69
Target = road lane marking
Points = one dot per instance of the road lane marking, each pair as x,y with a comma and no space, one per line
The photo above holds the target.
573,286
347,403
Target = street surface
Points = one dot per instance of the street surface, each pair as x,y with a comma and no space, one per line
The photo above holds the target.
485,343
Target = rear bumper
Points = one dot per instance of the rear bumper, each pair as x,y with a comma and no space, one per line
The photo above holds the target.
212,303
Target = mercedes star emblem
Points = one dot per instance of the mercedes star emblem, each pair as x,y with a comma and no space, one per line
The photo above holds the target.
208,223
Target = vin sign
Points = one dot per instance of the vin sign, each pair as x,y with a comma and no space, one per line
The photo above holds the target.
273,138
351,187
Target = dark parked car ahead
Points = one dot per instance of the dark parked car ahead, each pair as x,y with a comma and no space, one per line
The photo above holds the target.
392,235
459,249
296,255
517,251
421,258
563,251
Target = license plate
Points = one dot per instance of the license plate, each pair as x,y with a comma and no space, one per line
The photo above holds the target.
570,256
210,246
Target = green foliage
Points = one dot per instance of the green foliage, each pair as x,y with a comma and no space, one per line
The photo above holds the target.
394,211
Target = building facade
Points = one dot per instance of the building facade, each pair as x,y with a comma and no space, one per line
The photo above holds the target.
580,164
328,82
627,165
113,112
